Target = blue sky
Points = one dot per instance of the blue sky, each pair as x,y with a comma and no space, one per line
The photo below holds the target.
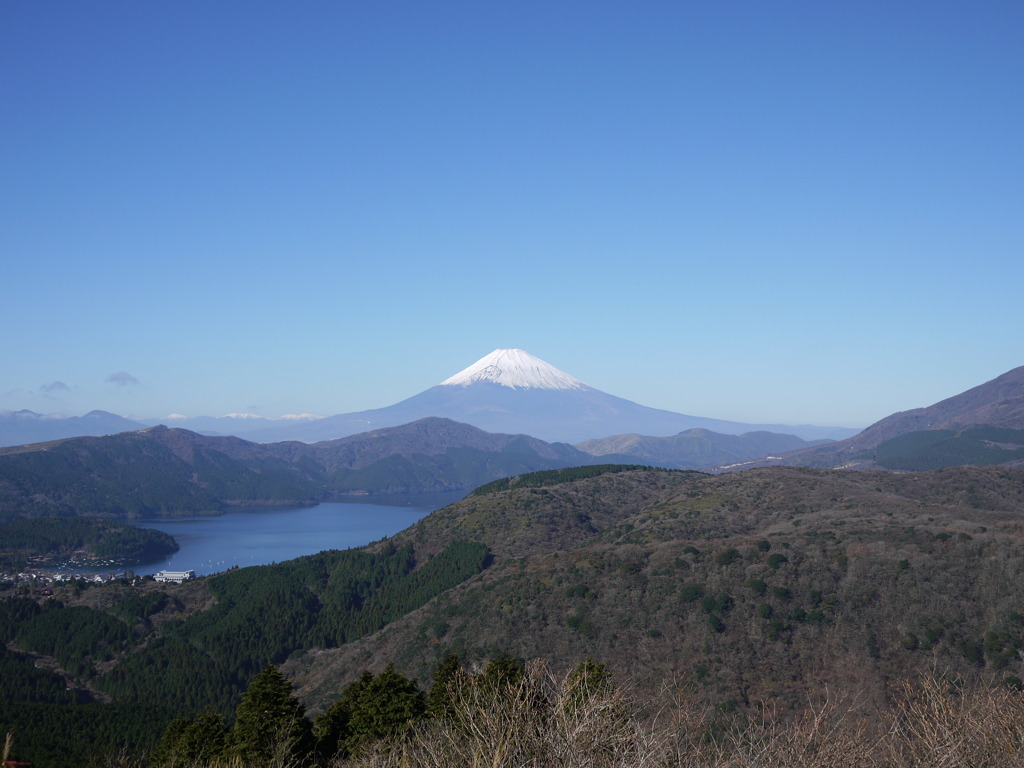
796,212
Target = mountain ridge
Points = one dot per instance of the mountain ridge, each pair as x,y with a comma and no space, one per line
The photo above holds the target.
749,586
25,426
507,391
695,448
995,403
161,470
511,391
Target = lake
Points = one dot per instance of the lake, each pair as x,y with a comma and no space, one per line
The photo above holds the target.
210,544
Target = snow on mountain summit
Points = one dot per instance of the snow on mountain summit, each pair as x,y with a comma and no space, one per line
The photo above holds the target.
516,369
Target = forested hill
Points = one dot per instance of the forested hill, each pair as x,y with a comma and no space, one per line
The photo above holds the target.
168,471
741,588
696,448
748,585
903,440
89,541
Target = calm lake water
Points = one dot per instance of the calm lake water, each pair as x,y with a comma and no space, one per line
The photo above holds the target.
259,537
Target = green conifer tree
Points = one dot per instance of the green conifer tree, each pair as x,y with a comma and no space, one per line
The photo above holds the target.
270,723
331,728
589,680
448,680
502,672
384,707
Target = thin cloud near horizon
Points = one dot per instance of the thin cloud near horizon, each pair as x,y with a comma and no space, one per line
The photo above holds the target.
54,387
122,379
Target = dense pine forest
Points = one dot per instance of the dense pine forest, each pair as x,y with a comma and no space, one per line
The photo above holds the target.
47,540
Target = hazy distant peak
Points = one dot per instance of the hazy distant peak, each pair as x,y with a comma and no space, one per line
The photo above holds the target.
516,369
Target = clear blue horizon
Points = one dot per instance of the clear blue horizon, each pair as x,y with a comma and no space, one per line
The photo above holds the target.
796,212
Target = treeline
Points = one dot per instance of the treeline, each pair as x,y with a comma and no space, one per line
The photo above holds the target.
97,538
163,471
25,683
937,448
136,474
203,662
57,724
270,723
77,637
555,477
262,615
515,715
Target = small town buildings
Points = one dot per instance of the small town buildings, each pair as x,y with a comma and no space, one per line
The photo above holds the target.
176,576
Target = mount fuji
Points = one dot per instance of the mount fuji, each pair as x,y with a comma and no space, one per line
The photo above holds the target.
511,391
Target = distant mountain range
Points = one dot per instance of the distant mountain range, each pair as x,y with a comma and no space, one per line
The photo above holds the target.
237,424
509,391
174,471
695,448
984,425
22,427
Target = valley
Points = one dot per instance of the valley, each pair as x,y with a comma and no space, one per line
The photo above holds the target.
743,589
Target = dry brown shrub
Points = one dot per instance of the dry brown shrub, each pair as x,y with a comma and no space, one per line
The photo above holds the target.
544,721
538,721
939,724
832,734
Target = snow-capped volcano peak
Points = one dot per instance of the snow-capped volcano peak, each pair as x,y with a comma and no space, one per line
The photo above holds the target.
516,369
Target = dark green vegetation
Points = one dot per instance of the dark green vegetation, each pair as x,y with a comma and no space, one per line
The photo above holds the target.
171,471
43,541
271,723
695,448
194,647
937,448
263,614
743,587
553,477
749,585
156,471
512,715
992,407
58,724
